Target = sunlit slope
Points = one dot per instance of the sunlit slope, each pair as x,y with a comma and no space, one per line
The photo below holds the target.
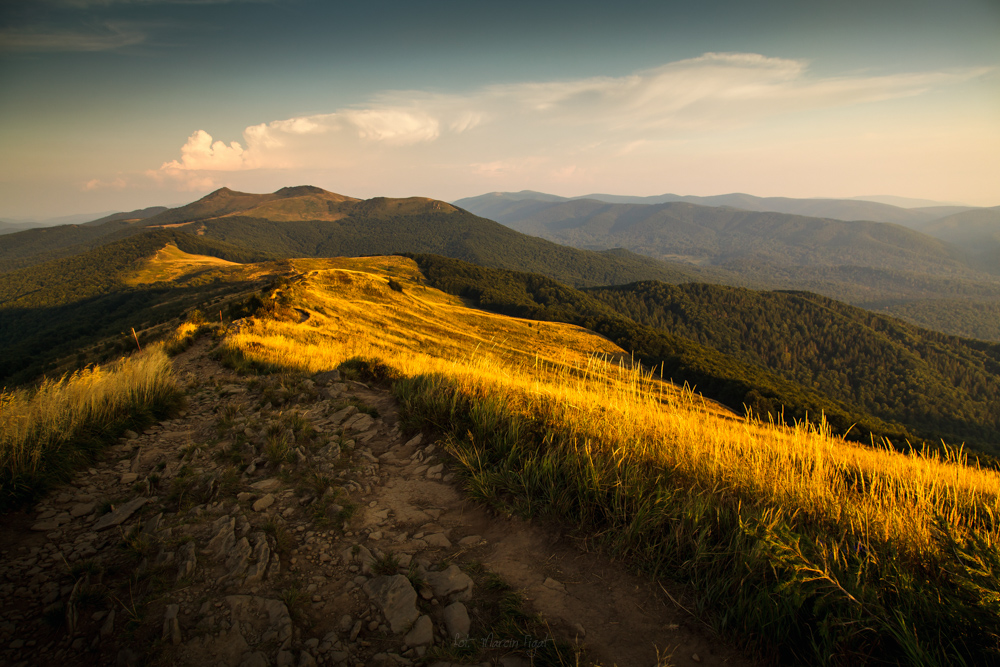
173,264
352,310
814,549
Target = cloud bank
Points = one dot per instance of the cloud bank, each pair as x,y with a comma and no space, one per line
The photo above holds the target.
712,92
567,129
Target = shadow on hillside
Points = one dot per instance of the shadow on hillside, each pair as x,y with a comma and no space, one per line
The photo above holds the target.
56,339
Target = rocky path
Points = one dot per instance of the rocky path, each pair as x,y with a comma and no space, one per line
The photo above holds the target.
289,521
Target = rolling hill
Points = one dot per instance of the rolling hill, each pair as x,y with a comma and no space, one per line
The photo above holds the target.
976,231
51,307
879,266
493,204
787,354
310,222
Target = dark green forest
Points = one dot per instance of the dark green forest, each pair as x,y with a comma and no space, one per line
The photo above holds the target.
939,384
51,311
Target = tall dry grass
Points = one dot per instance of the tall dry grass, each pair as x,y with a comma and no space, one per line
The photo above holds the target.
47,431
811,547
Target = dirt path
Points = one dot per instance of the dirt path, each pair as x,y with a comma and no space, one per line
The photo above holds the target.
273,522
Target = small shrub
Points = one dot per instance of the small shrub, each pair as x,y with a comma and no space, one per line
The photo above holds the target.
276,447
388,564
136,545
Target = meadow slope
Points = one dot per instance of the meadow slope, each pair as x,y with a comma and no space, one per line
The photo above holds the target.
806,547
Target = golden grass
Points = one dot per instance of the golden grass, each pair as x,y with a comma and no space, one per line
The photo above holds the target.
578,380
38,427
173,264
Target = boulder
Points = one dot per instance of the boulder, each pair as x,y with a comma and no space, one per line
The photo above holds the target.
456,619
395,596
450,582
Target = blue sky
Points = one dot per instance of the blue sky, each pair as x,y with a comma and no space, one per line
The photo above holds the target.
116,104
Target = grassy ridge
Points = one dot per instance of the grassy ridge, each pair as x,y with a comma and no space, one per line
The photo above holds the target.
47,432
799,586
733,382
807,547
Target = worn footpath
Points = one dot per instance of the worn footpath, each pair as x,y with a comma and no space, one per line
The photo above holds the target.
290,521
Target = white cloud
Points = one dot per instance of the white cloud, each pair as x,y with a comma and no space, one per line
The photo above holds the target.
118,183
201,153
393,126
288,143
500,128
711,91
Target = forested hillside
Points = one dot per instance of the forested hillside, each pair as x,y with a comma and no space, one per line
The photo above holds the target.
716,235
310,222
52,310
882,267
938,384
913,391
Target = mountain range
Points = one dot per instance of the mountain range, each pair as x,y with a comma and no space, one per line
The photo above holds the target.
493,204
948,278
66,291
973,229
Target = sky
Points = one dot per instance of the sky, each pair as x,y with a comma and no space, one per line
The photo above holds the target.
110,105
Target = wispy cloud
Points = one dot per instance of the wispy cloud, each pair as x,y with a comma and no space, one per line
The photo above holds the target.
93,4
107,37
97,184
503,124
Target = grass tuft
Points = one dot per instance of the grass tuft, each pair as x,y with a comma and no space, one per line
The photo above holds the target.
48,432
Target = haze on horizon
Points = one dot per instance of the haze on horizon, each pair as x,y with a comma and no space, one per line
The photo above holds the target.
120,104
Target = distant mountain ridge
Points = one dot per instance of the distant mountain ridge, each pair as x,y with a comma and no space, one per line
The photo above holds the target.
905,202
927,279
10,226
715,235
129,216
836,209
307,221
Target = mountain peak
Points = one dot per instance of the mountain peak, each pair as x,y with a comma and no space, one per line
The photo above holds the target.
221,193
300,190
